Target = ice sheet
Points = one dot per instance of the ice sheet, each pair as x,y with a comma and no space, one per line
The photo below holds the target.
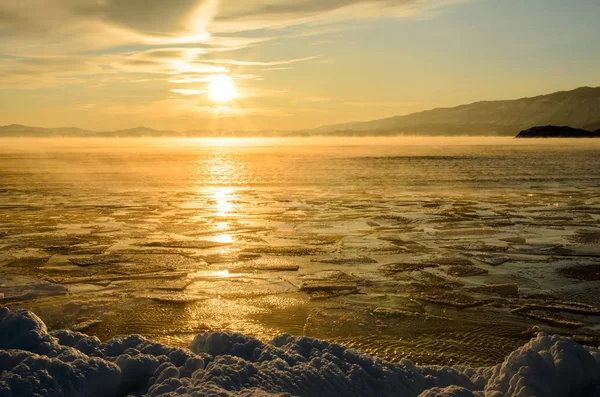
486,239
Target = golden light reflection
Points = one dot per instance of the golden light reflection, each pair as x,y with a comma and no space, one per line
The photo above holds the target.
223,204
223,238
221,225
215,274
220,168
224,207
219,273
224,192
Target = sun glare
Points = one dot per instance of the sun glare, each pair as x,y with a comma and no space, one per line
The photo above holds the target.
221,88
222,197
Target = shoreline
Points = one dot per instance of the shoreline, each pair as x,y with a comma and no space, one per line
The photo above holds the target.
32,360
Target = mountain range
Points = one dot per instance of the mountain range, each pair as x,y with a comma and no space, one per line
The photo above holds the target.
579,108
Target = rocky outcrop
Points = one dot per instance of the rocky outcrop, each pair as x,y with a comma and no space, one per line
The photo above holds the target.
551,131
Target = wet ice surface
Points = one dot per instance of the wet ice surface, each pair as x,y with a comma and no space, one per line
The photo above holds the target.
439,251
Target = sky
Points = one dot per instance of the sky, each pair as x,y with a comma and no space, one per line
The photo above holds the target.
281,64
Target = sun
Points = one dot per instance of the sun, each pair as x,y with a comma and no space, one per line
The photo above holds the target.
221,88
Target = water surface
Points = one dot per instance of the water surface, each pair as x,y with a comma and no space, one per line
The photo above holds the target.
441,250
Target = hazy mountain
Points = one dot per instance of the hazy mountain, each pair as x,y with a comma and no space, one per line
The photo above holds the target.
579,108
17,130
140,132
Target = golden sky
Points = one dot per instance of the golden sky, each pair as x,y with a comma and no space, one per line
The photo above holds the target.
281,64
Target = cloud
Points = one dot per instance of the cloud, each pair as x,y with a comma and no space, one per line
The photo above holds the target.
152,17
139,63
187,78
170,46
54,42
188,91
241,15
149,18
249,63
268,8
191,106
83,25
318,99
36,71
170,53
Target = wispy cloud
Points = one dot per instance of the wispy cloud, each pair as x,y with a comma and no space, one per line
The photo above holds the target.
241,15
187,92
318,99
67,28
174,108
174,46
251,63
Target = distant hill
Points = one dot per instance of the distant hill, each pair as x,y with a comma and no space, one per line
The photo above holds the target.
579,108
552,131
23,131
17,130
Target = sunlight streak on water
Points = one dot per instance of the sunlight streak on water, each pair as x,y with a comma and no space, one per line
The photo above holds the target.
223,238
223,204
221,225
216,274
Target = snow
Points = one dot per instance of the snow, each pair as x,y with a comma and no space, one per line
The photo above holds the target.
65,363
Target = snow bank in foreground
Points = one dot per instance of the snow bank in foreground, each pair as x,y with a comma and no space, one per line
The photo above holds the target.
63,363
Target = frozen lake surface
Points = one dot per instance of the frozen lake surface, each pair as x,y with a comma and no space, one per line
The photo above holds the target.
441,251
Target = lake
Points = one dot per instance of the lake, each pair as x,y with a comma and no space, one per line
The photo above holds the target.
440,250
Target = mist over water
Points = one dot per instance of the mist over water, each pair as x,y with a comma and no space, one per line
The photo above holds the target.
418,163
441,250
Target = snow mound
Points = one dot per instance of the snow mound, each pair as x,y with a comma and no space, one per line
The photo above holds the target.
64,363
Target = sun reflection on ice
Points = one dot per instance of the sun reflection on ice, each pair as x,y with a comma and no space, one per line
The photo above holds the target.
215,274
221,226
222,198
218,273
223,238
